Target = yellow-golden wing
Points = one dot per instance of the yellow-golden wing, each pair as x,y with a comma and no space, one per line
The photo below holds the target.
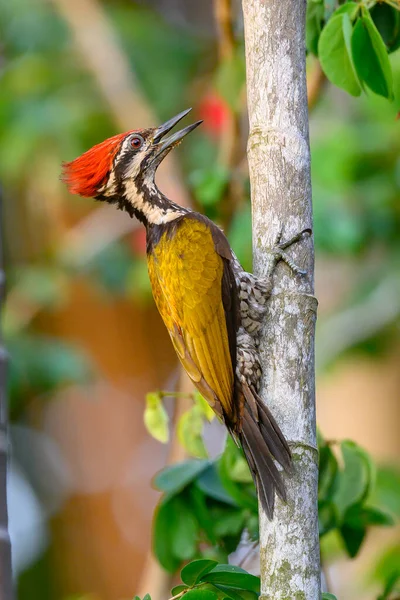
188,276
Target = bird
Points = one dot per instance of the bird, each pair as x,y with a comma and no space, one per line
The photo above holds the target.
212,308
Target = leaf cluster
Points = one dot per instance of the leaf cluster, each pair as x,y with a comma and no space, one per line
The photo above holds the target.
190,424
344,496
353,43
208,505
205,508
41,364
205,579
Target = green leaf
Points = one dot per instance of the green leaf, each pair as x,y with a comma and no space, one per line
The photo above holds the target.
234,577
192,572
386,492
202,513
190,429
355,479
334,56
364,516
328,472
387,21
370,57
328,596
314,19
178,589
390,586
327,517
204,406
175,478
163,530
209,184
347,33
210,484
175,533
352,538
185,534
200,594
147,597
156,418
231,593
230,80
387,567
229,522
223,592
240,471
350,8
243,494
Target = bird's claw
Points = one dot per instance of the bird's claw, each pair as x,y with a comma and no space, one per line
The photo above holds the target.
280,247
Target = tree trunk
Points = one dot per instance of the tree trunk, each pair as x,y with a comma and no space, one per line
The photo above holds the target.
279,163
5,546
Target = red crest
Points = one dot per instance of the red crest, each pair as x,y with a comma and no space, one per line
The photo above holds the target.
89,172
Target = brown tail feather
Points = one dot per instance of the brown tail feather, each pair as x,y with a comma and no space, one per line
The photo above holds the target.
262,442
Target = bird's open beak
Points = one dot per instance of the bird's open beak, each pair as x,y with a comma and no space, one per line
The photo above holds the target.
171,141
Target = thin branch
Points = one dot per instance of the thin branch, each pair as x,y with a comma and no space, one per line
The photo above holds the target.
224,21
253,547
345,329
101,228
98,47
316,81
100,51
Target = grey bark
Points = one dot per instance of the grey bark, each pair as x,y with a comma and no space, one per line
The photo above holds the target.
279,163
5,545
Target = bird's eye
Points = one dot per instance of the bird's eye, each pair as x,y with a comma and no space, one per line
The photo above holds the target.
136,141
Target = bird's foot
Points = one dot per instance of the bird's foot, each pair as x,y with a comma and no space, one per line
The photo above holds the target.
279,253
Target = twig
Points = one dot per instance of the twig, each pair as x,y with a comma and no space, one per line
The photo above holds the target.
252,547
93,234
359,322
103,57
226,37
77,248
316,81
100,51
188,395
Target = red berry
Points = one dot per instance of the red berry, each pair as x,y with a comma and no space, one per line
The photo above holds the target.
215,113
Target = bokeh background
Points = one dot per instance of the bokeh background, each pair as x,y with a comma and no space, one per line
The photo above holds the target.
85,341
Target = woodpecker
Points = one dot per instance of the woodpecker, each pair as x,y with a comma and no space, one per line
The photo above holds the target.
212,308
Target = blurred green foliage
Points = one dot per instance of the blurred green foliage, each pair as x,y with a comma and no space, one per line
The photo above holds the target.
205,509
39,366
208,506
51,110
